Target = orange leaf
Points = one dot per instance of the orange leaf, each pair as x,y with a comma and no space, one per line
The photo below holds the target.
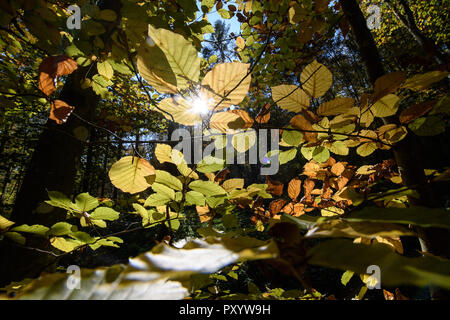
416,111
337,168
294,188
344,178
300,122
53,67
276,205
60,111
294,209
203,213
275,187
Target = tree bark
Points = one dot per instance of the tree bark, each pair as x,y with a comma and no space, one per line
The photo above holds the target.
52,168
432,240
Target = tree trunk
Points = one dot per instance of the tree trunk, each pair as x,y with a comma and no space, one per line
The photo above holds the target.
52,168
432,240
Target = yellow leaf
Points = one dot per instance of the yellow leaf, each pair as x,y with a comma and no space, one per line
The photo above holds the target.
240,43
366,149
229,121
288,99
181,111
181,55
423,81
5,223
316,79
231,184
128,174
335,107
386,106
163,153
244,140
226,79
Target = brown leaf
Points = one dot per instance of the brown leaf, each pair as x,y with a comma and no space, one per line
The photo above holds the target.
294,209
311,168
60,111
275,187
310,116
53,67
300,122
344,178
294,188
308,186
337,168
399,295
326,189
388,295
244,122
264,114
387,84
276,205
221,175
416,111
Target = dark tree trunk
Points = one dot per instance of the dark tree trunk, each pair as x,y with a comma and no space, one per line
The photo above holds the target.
87,176
58,152
52,167
407,157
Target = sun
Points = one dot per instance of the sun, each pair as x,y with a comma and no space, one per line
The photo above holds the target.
200,105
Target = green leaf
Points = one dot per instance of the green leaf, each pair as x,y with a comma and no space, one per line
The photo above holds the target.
16,237
386,106
195,198
163,190
346,276
60,200
288,155
210,164
105,213
396,270
307,152
339,147
62,229
66,245
169,180
321,154
85,202
107,15
420,216
5,223
128,174
292,137
224,13
208,188
105,69
428,126
156,199
34,229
